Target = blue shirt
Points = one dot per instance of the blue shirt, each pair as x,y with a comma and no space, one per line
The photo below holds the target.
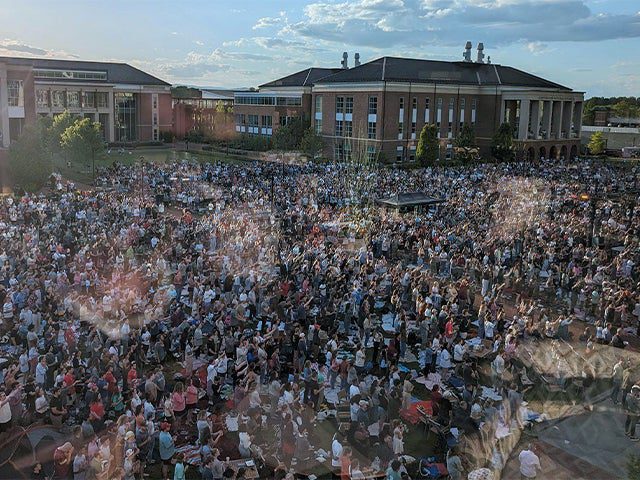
167,448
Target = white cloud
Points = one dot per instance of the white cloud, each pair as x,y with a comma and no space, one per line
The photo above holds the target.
12,48
270,22
199,42
537,48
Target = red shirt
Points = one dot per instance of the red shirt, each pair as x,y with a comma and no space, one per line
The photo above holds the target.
132,376
345,468
97,408
192,395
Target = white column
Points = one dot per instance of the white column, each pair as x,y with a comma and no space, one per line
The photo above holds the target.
523,127
567,115
4,109
111,134
546,119
556,123
535,118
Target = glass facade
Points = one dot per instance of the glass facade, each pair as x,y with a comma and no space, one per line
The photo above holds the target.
73,99
126,126
89,99
58,98
42,98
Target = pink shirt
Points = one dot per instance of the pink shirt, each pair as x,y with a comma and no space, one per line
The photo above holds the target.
178,401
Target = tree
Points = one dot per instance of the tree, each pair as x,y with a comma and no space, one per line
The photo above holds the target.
54,134
30,163
428,149
596,144
502,143
633,467
83,140
465,144
311,143
289,136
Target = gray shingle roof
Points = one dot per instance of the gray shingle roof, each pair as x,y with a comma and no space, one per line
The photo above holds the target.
303,78
116,72
394,69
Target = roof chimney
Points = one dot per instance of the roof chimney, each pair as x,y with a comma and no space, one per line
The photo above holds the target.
344,63
467,52
489,59
357,60
480,53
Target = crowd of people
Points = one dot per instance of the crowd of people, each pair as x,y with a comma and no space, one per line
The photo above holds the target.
278,323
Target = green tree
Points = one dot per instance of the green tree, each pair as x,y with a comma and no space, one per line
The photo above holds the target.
596,144
465,144
633,467
502,147
82,141
626,108
54,134
30,163
428,149
311,143
289,136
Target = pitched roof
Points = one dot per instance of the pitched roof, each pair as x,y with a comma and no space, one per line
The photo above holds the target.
394,69
116,72
303,78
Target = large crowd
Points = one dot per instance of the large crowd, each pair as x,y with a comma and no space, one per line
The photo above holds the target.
194,320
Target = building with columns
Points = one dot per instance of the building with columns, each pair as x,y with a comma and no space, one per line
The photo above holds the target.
380,107
131,105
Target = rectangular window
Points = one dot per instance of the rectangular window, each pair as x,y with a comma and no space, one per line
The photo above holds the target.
126,114
461,116
155,134
439,114
103,119
267,120
339,104
42,98
401,103
89,99
373,105
339,128
102,99
318,126
473,111
348,128
400,130
15,92
414,103
371,153
451,106
253,120
426,111
58,98
318,103
399,154
155,118
348,105
154,98
371,129
73,99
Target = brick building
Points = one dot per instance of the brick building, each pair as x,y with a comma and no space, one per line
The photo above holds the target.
131,105
205,111
277,102
381,106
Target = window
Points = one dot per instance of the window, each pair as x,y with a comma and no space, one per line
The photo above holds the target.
348,128
88,99
339,104
58,98
439,114
318,103
348,105
103,119
70,74
400,130
155,134
102,99
371,129
473,111
371,153
286,120
451,105
414,103
126,125
373,105
267,120
317,127
338,152
399,153
155,118
401,103
426,111
73,99
462,105
414,114
339,128
347,151
15,92
155,101
42,98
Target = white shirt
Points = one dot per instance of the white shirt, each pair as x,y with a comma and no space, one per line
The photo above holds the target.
529,461
458,352
336,452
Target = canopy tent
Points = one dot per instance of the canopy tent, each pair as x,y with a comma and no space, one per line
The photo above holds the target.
410,200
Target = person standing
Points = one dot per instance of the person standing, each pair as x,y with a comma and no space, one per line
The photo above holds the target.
616,378
633,413
167,449
529,463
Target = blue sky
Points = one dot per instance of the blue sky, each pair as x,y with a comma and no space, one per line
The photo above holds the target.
587,45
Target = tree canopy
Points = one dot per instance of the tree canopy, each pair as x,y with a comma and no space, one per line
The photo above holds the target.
597,144
311,143
30,163
428,149
502,147
465,144
289,136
